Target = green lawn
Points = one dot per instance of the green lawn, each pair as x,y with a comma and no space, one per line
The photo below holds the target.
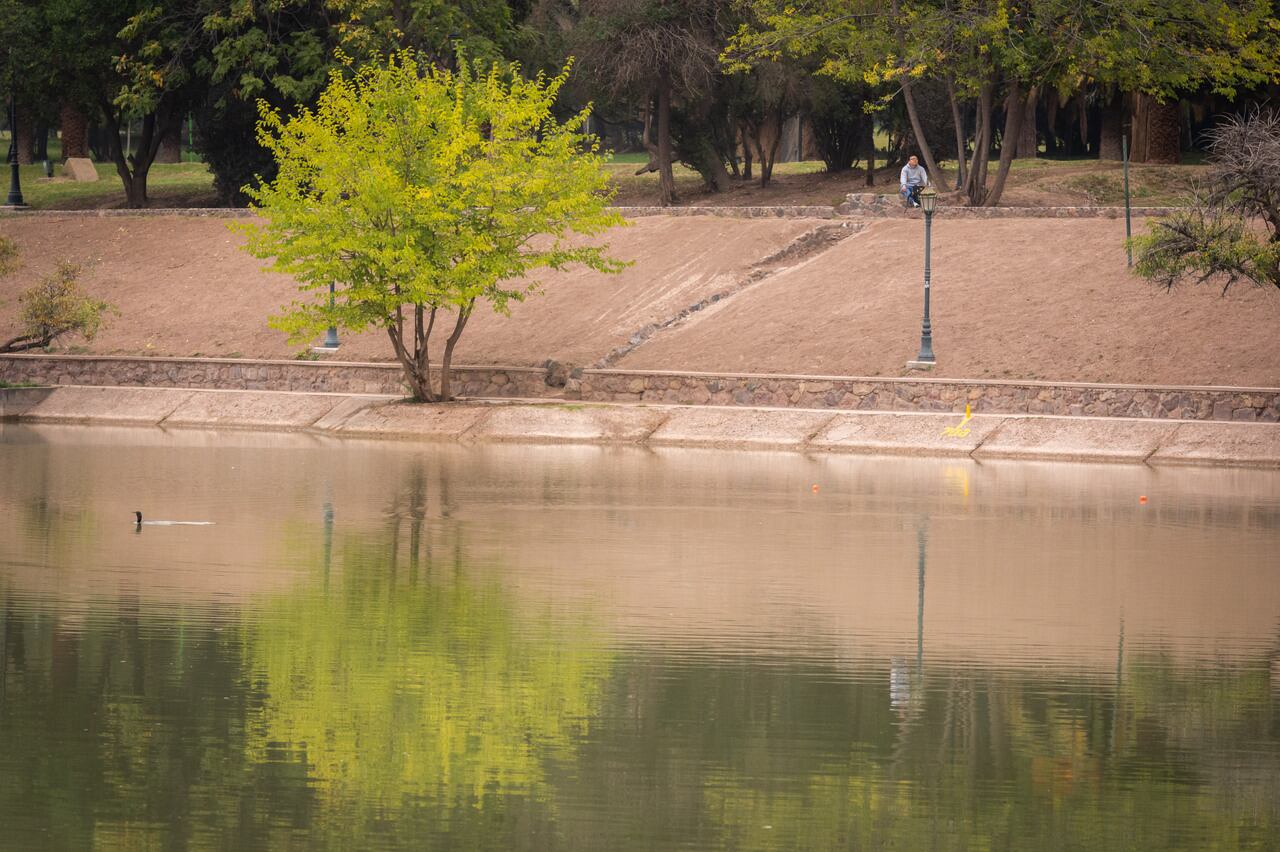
180,184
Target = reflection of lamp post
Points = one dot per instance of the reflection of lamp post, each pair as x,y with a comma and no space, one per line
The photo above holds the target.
922,540
15,182
1115,711
925,360
328,541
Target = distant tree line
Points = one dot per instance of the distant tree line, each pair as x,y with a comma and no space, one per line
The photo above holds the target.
711,83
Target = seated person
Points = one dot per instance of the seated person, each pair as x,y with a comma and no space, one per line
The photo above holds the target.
911,181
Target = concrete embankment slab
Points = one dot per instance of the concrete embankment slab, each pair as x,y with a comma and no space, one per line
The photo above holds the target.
750,428
348,407
547,424
1252,444
252,409
136,406
982,436
447,422
1074,438
924,434
15,402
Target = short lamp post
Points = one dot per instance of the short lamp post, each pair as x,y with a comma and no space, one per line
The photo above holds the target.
15,182
331,336
925,360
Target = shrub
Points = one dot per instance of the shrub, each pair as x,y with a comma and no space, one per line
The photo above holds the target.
54,307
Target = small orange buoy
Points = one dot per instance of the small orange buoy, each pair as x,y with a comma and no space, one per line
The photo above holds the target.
815,489
1142,499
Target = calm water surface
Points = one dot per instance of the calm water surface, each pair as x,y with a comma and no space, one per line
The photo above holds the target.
384,646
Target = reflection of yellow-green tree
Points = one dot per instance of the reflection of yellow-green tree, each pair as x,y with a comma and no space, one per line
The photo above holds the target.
418,692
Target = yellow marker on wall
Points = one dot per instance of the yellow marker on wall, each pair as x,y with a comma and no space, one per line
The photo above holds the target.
961,429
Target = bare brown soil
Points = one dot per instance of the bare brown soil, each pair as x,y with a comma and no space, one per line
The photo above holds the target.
1013,298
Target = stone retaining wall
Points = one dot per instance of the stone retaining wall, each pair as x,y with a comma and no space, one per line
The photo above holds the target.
831,392
1242,404
244,374
873,205
768,212
870,205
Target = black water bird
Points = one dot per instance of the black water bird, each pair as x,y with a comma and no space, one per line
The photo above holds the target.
139,522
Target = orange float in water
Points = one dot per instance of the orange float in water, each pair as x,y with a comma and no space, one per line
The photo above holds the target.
1142,498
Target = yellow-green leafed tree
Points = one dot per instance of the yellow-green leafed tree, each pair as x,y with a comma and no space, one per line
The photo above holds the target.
418,192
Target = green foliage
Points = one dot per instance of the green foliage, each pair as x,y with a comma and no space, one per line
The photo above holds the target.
1171,47
434,29
1232,228
1201,244
55,307
280,52
419,189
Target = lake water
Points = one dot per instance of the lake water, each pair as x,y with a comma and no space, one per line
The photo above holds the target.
400,646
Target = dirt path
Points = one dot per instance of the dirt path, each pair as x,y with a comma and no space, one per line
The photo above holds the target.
1015,298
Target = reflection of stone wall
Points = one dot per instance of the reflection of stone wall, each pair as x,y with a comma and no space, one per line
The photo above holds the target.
867,394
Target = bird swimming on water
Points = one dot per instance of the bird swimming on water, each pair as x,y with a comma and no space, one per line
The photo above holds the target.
138,516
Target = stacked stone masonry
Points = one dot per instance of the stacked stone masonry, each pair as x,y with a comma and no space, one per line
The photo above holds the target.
856,205
873,205
837,393
238,374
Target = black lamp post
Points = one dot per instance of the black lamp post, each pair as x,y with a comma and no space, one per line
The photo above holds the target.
15,182
926,359
331,336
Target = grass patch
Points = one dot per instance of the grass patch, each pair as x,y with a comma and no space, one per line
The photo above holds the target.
8,255
174,185
4,384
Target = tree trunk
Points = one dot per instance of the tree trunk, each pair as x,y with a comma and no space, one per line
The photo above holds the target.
869,148
1163,131
133,169
1028,139
975,185
170,146
1113,116
720,179
1051,106
1014,111
958,120
416,375
42,142
24,136
767,160
666,179
446,362
926,153
75,132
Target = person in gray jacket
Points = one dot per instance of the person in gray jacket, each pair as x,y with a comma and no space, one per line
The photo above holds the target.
911,181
